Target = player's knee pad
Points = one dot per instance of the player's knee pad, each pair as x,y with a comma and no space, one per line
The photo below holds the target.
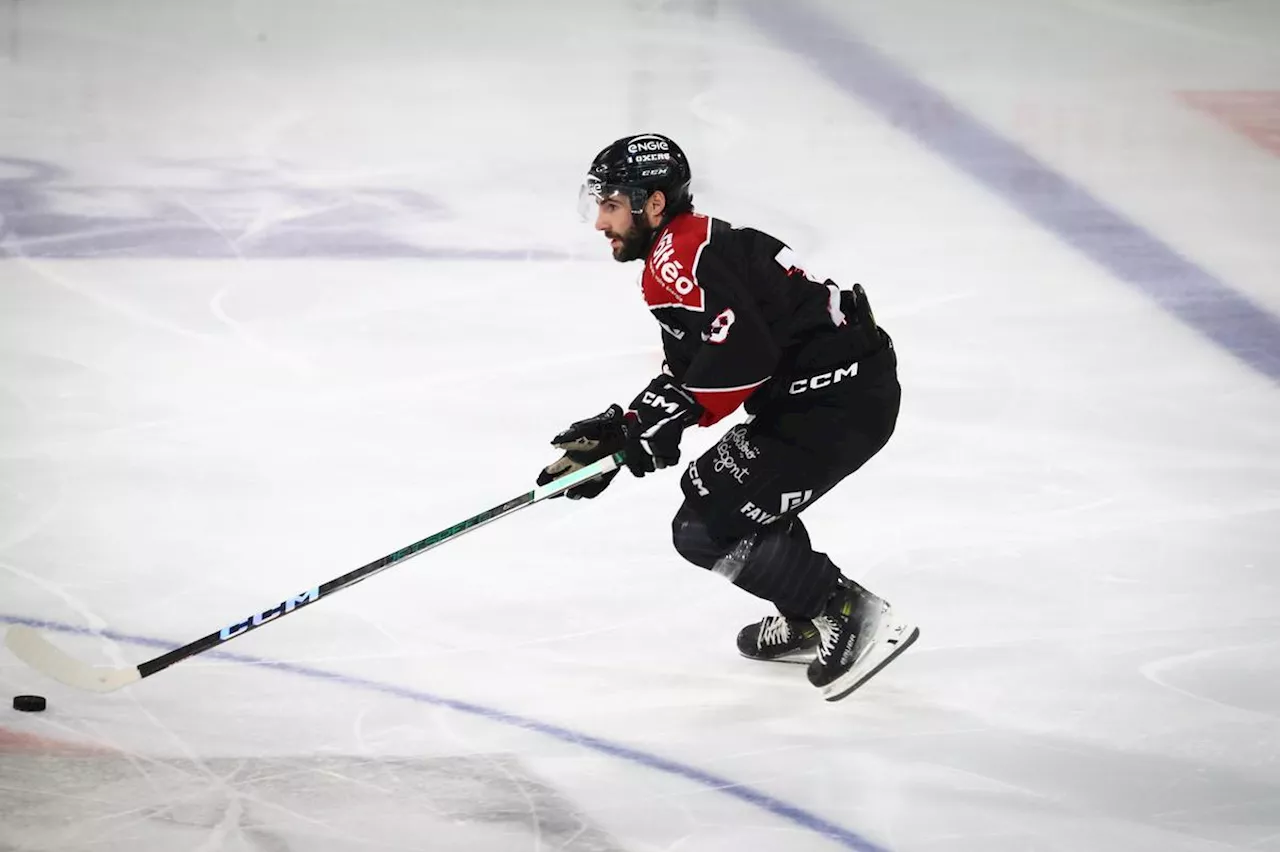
777,564
694,540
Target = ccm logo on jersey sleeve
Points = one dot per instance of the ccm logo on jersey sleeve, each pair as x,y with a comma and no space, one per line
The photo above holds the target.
823,380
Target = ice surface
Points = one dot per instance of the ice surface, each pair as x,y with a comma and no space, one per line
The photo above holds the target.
285,286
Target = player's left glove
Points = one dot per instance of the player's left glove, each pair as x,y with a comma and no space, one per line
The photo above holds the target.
584,442
656,420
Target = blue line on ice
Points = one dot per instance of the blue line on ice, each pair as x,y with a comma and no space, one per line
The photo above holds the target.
717,783
1064,208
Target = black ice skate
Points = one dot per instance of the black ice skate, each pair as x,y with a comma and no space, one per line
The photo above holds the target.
780,639
859,634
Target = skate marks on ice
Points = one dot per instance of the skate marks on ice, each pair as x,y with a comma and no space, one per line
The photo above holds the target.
798,817
1026,786
304,392
213,209
1228,679
486,803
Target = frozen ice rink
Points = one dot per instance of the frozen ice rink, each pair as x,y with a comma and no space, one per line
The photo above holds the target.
288,284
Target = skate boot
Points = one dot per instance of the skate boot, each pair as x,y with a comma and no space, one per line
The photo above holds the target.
778,638
859,634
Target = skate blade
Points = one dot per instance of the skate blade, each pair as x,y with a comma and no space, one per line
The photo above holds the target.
884,650
795,658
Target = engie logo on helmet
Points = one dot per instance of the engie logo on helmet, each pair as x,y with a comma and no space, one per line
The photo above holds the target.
666,268
648,145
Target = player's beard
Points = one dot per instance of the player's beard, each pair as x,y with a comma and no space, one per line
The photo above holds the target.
635,243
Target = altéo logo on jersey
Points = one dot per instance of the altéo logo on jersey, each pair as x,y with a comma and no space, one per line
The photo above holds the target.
667,269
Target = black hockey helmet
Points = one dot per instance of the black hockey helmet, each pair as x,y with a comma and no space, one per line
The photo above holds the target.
634,167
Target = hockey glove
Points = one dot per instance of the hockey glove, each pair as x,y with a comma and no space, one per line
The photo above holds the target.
656,420
584,442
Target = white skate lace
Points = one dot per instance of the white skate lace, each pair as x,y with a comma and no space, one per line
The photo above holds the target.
828,635
774,630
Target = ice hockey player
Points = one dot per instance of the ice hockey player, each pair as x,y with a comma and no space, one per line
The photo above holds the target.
743,322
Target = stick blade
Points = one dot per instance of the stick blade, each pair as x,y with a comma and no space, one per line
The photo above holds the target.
30,646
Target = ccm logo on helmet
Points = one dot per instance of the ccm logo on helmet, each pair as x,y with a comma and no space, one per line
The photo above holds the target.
823,380
668,270
648,145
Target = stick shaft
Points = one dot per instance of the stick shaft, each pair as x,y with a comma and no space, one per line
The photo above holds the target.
552,489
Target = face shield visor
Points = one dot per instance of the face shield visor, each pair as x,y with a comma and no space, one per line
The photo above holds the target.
594,192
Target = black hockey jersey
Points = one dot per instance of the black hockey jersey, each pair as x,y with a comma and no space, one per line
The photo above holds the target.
736,309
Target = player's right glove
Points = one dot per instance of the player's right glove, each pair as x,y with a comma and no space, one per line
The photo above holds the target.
656,420
584,442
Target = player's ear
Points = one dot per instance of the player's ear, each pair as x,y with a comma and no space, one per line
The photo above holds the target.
655,205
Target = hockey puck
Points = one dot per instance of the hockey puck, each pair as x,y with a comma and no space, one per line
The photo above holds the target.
29,703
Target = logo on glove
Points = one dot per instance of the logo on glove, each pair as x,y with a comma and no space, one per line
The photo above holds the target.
657,400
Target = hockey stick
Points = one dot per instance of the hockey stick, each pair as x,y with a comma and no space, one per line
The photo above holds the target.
38,652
